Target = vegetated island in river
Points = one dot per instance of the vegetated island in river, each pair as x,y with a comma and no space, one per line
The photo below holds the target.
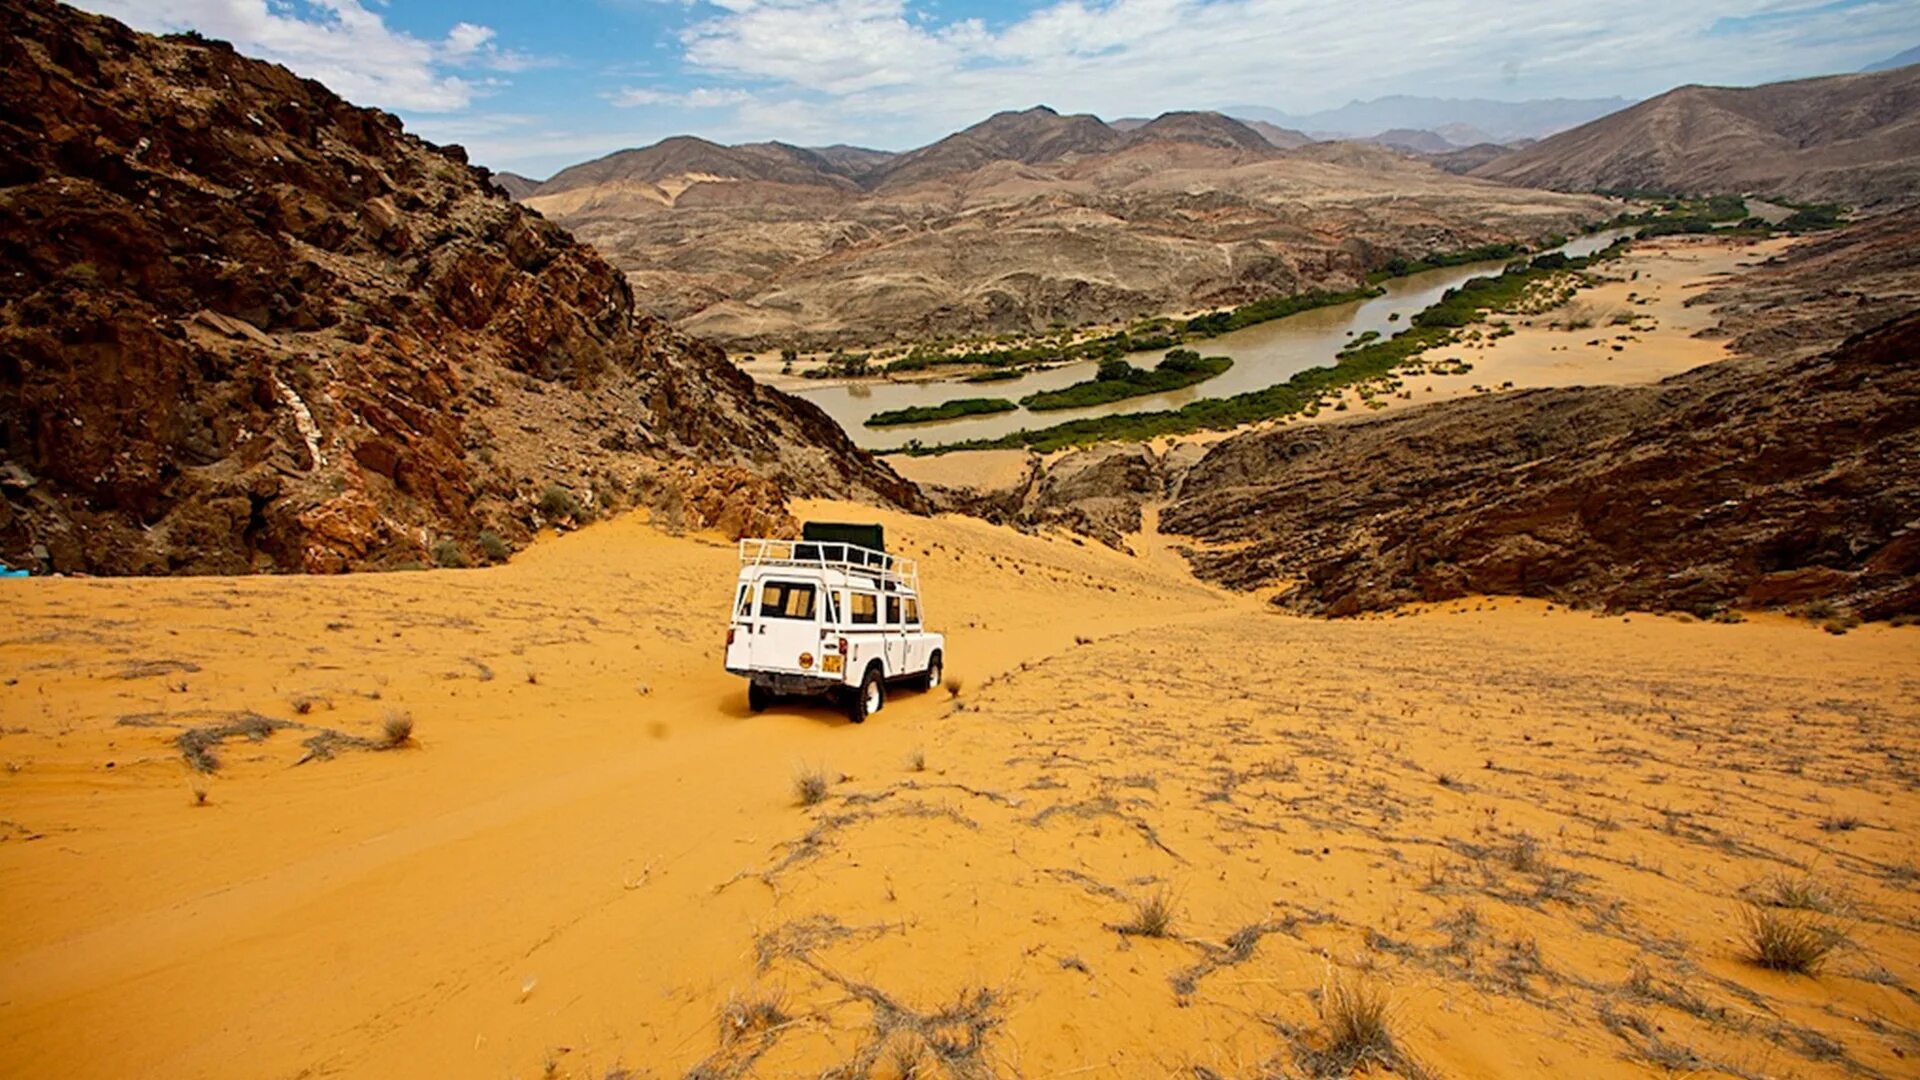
946,410
1119,380
1431,328
1149,336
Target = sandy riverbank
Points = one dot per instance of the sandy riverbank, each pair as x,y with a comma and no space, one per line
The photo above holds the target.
1634,327
1533,828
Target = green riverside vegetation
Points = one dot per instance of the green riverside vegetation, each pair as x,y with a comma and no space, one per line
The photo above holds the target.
1435,260
1433,327
1152,336
946,410
1119,380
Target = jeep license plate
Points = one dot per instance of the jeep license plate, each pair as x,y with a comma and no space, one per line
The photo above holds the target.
831,664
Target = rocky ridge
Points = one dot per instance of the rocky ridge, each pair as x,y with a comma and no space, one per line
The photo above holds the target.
1851,139
245,325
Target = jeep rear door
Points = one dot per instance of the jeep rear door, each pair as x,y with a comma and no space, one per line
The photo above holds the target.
786,626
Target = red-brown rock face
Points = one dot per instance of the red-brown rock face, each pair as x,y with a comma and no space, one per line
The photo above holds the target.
246,325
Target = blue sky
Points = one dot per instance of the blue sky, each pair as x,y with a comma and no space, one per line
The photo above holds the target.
535,86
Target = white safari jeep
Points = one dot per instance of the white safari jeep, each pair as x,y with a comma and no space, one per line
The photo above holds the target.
830,614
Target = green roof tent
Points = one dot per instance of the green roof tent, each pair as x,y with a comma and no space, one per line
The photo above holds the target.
871,537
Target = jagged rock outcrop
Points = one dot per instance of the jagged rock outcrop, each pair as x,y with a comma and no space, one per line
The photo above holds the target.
245,325
1752,482
1098,492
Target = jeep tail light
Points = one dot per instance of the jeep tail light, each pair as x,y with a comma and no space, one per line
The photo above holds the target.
843,646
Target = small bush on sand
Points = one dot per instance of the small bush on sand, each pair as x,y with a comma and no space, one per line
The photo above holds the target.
1152,915
1803,893
751,1013
954,684
810,786
396,729
558,502
917,761
447,555
494,548
1786,939
1355,1014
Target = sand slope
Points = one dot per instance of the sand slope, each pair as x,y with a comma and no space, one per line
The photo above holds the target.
1533,827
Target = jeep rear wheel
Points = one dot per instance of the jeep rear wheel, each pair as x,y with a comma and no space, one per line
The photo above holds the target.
758,697
870,698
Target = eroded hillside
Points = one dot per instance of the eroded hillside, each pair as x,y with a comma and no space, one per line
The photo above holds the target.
1022,221
247,325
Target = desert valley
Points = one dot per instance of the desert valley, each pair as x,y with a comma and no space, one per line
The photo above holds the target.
1429,588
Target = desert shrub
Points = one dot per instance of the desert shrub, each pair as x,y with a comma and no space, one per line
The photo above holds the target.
1786,939
447,554
810,786
396,728
494,548
1152,915
558,502
750,1014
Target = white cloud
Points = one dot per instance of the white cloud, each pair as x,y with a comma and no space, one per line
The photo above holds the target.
700,97
888,71
339,42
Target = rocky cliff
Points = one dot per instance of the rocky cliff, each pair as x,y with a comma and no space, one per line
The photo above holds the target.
245,325
1751,482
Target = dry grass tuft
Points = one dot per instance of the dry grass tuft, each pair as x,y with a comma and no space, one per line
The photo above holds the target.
810,785
954,684
1357,1017
1152,915
917,760
396,729
200,793
1802,893
752,1014
1786,939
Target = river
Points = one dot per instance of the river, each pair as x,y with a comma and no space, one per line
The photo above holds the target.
1264,354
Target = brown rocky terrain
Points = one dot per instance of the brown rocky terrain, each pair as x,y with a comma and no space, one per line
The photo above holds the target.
1086,223
1784,476
245,325
1852,139
1789,475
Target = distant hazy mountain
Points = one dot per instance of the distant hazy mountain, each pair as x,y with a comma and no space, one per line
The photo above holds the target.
1851,139
1284,138
1492,121
1275,135
1900,60
515,185
1420,142
1200,129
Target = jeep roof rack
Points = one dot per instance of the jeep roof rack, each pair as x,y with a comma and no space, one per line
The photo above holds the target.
889,571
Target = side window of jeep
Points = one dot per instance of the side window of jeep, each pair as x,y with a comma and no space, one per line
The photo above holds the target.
864,607
913,612
893,611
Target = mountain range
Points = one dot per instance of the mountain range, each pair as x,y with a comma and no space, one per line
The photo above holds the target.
1022,221
1852,139
1461,121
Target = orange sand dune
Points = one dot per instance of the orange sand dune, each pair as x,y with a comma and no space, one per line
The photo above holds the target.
1535,830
